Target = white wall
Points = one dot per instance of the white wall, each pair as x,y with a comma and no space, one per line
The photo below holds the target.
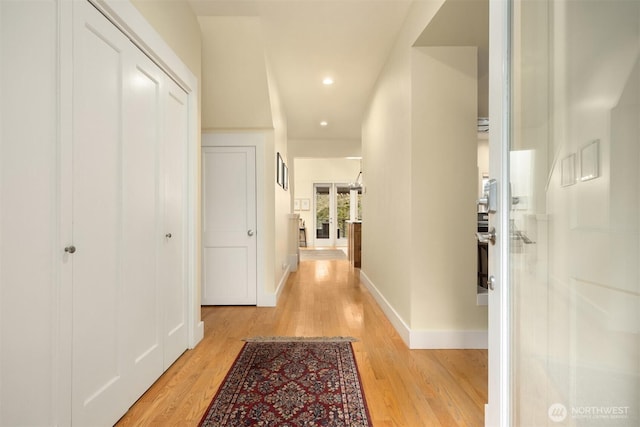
405,174
386,152
326,148
177,24
241,102
443,192
282,198
235,84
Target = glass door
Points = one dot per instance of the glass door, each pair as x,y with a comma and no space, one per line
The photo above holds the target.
572,237
323,216
332,207
343,212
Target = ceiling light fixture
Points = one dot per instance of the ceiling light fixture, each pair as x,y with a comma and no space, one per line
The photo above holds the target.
324,123
327,81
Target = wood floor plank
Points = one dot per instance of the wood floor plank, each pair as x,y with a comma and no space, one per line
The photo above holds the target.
407,388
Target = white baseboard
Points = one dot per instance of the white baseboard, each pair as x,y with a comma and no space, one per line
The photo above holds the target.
293,262
461,339
395,319
271,300
426,339
283,283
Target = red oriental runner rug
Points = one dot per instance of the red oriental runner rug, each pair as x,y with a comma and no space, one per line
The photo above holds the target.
291,382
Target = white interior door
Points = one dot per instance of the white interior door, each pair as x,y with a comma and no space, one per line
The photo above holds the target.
141,231
100,367
574,213
173,250
497,410
229,226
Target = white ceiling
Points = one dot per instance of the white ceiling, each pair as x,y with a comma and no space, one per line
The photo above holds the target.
349,40
307,40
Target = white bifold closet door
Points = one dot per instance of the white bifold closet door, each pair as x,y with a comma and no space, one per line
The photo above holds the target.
129,292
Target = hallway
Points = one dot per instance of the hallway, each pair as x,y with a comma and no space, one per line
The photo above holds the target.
324,298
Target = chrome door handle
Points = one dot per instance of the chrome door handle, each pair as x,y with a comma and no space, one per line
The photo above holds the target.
489,199
250,233
70,249
489,237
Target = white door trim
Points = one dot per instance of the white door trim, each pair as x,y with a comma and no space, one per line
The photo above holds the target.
498,409
255,139
229,278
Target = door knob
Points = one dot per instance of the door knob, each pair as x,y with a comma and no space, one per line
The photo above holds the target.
168,235
491,281
489,237
250,233
70,249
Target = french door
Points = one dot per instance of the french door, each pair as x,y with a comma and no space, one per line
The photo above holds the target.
564,326
332,210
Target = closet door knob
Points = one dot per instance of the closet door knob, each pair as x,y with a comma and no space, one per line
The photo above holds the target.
70,249
250,233
168,235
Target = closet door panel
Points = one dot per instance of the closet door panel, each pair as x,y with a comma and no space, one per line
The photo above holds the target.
173,278
100,392
129,164
142,107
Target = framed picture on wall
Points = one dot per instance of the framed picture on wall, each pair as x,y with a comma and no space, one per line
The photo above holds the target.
590,161
285,177
279,169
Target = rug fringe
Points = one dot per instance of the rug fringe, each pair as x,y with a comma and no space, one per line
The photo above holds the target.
302,339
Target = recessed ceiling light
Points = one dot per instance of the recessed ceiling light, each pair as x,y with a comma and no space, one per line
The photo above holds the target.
327,81
324,123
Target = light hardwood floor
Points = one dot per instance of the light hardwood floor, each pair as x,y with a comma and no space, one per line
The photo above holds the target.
412,388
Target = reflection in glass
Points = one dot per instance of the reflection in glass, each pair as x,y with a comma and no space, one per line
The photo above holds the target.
575,249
